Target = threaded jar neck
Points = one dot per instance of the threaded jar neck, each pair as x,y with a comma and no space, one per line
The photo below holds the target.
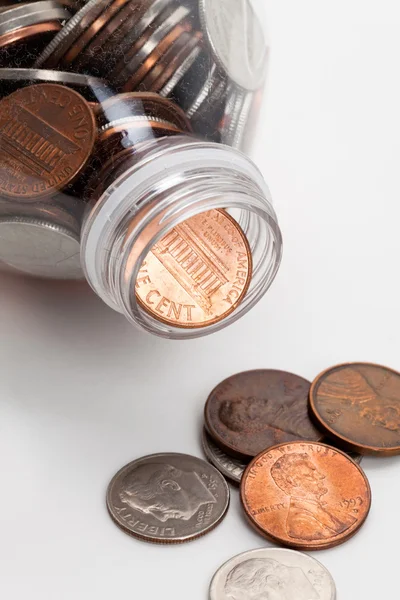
172,180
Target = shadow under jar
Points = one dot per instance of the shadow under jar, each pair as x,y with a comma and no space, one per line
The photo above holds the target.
121,161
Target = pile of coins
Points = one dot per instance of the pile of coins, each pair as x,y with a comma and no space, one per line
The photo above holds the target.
84,87
290,445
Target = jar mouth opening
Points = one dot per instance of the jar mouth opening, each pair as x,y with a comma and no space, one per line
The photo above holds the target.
163,191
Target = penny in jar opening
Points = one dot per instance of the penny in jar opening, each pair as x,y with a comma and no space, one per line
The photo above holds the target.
198,273
47,133
305,495
358,406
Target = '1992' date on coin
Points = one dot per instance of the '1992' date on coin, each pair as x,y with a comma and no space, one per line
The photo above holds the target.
305,495
47,133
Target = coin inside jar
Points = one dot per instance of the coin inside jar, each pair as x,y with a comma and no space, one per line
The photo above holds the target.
253,410
305,495
358,406
47,134
198,273
168,498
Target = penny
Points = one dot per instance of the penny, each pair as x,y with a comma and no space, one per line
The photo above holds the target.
232,468
244,61
253,410
358,406
47,133
305,495
168,498
29,33
198,273
274,574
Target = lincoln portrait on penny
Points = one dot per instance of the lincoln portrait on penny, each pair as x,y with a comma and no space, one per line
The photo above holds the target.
165,492
268,579
309,518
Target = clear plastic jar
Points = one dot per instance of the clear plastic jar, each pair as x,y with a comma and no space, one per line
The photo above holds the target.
122,130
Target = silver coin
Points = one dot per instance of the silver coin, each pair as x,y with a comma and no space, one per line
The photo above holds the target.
151,44
273,573
235,123
236,40
232,468
68,34
49,76
168,498
210,84
131,119
180,72
31,14
40,245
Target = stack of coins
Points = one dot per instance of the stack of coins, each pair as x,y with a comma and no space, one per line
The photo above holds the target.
290,444
26,29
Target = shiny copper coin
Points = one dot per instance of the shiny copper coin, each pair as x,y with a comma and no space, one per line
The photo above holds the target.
29,33
254,410
198,273
358,406
47,133
305,495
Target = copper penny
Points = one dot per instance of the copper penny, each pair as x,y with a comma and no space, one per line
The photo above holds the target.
29,33
358,406
47,133
305,495
198,273
251,411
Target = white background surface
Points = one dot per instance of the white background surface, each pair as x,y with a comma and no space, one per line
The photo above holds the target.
81,393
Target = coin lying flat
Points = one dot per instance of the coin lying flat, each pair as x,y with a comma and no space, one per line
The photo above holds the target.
47,133
198,273
305,495
358,405
168,498
232,468
251,411
274,574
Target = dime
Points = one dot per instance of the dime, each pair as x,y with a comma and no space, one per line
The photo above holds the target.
305,495
198,273
168,498
43,245
254,410
358,406
47,133
273,573
236,40
233,468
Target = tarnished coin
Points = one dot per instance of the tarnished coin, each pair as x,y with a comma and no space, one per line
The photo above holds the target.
305,495
254,410
232,468
236,40
358,405
198,273
47,133
273,574
168,498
